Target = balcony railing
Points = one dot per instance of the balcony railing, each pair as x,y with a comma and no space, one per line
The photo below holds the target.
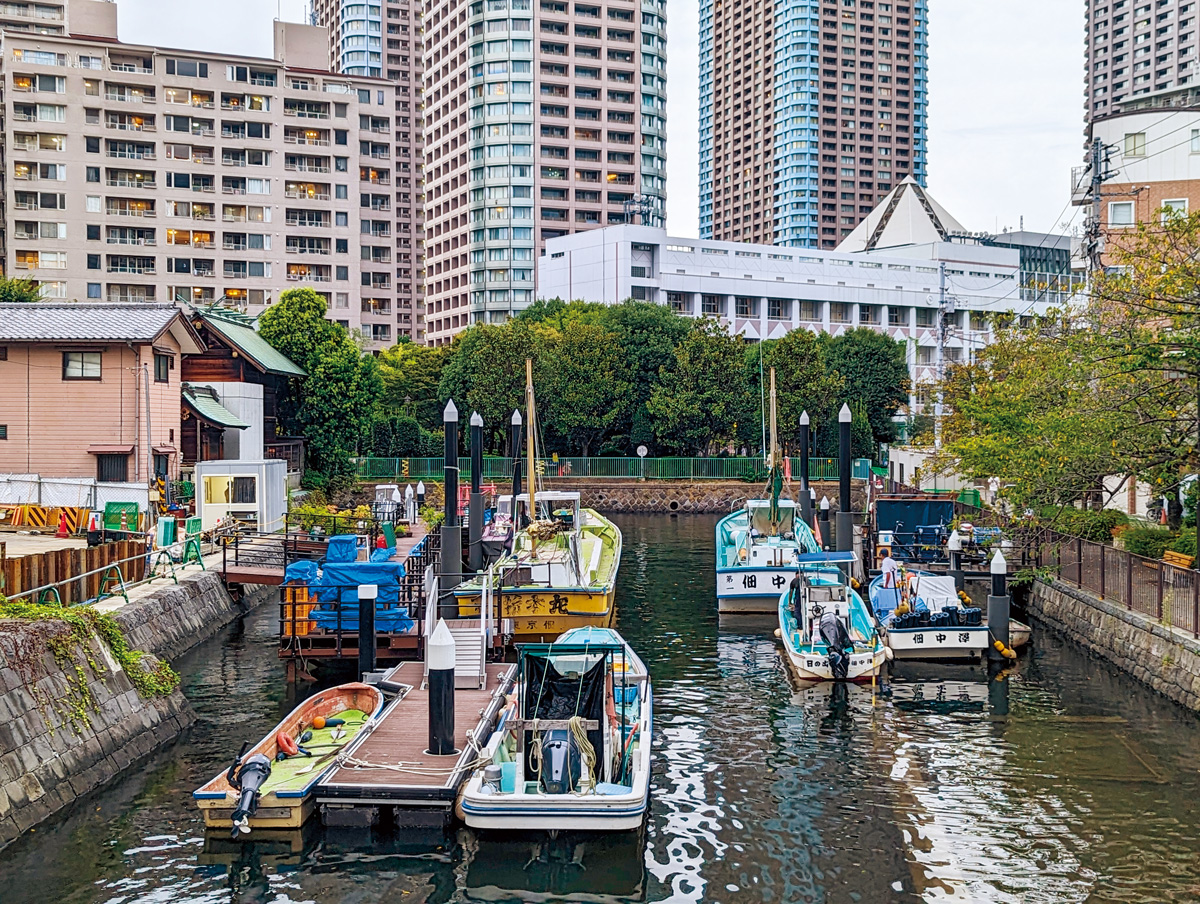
130,212
131,183
300,139
319,196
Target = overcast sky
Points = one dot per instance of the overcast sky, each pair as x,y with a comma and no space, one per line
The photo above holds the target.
1006,96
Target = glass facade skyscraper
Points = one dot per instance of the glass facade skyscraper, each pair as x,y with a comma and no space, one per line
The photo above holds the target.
810,112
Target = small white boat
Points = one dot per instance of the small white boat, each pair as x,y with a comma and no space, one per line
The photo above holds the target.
925,618
572,749
827,632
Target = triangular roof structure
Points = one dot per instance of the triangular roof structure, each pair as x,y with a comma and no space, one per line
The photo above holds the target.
907,215
238,331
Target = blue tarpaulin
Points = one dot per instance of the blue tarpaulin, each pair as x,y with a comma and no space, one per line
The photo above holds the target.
388,619
342,548
303,571
382,555
340,582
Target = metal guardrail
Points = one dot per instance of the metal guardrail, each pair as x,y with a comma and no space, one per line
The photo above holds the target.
729,468
1166,593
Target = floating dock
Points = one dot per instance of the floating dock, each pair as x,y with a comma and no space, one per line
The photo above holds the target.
387,768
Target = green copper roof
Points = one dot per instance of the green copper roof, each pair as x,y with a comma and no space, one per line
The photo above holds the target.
203,400
240,333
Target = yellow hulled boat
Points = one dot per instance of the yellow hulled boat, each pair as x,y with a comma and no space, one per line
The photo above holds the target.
557,572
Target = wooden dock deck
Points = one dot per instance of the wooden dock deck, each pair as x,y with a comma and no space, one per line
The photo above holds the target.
401,775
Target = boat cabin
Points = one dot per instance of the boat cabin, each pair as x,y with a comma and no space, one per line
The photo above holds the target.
556,552
762,546
819,593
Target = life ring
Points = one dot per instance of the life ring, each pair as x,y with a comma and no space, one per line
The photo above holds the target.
286,743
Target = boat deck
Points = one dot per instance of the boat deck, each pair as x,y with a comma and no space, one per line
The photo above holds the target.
401,774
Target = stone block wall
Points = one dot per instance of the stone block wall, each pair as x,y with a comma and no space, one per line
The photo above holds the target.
1159,657
48,760
669,496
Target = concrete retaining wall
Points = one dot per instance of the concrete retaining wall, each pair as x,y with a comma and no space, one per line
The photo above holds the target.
46,760
1159,657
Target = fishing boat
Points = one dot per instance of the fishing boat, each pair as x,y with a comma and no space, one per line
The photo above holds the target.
554,562
827,631
927,617
572,750
270,785
759,545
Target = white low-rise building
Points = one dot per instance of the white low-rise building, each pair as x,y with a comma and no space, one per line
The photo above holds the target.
888,275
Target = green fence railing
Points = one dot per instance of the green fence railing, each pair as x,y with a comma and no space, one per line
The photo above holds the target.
607,468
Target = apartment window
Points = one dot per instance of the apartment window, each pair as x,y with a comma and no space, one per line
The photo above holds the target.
1120,213
897,316
93,290
81,366
112,468
341,192
187,68
93,173
926,316
1135,144
163,364
1195,141
93,262
839,312
3,431
1175,207
92,204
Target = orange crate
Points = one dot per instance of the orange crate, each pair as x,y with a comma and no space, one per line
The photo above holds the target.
295,612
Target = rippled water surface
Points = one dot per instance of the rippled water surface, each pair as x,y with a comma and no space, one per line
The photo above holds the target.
1085,791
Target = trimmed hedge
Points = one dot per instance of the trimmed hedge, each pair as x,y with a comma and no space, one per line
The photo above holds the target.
1087,524
1150,542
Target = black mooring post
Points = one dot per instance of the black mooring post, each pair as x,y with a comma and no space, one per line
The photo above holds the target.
367,593
450,572
475,509
517,435
440,656
845,517
999,606
805,501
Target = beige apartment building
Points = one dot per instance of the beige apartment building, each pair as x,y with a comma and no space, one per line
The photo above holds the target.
383,40
137,173
542,118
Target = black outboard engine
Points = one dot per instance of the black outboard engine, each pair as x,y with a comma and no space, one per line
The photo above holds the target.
833,632
248,780
561,763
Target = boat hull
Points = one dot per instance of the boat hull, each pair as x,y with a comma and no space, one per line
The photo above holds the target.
290,807
540,614
937,643
750,590
813,665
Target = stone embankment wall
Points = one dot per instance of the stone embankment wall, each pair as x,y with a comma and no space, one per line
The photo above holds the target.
65,733
669,496
1165,660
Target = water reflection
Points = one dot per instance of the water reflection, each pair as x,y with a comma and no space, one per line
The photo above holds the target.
1087,790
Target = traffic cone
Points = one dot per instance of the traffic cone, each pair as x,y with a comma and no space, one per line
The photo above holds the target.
63,531
124,520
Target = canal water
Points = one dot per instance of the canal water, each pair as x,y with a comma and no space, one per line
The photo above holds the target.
1086,791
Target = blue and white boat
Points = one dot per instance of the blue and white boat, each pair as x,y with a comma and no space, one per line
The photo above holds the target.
925,618
827,631
759,545
758,549
572,749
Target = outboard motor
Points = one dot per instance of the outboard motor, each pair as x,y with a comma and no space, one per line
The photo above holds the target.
833,632
561,763
248,780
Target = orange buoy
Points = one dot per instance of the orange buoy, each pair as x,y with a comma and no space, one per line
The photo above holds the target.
319,723
286,743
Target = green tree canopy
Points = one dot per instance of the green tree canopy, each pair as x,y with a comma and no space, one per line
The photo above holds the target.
875,370
15,289
698,396
332,406
584,386
413,372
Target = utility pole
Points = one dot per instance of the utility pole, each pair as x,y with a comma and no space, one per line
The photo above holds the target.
1099,158
946,308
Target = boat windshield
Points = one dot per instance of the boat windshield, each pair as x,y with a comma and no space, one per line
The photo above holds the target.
760,519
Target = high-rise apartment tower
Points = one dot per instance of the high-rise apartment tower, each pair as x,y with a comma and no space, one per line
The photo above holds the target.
382,39
542,118
810,112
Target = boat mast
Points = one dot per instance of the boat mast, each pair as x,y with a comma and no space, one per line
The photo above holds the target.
529,435
773,473
774,434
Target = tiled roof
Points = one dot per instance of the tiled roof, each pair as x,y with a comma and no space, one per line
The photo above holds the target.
203,400
50,322
242,336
